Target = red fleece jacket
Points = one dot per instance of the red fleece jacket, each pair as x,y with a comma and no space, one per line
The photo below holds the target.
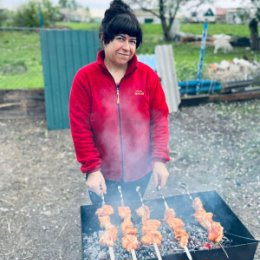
120,130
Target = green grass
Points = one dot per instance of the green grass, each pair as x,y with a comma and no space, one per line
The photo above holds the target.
79,26
187,58
20,59
240,30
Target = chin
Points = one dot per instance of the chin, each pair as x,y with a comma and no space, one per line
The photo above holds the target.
123,62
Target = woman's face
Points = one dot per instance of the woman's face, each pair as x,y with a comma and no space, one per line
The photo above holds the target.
120,50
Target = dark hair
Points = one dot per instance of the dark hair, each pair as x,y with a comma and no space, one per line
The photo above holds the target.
120,19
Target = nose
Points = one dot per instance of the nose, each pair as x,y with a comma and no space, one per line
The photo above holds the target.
126,44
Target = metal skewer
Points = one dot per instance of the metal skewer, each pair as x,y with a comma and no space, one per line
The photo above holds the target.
157,252
133,253
162,196
102,197
223,249
184,186
111,253
167,206
121,195
110,248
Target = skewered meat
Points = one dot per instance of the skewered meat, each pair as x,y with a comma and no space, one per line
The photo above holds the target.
124,212
150,224
182,236
143,212
215,230
105,210
152,237
129,240
177,225
151,234
128,227
109,236
104,221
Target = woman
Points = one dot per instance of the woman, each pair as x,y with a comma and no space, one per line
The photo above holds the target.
118,114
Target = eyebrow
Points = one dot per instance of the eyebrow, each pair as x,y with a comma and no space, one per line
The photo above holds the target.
125,36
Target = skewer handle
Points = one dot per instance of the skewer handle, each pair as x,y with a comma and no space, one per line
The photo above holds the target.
158,254
188,252
133,254
111,253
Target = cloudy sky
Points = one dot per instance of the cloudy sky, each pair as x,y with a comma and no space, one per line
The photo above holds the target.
95,4
98,6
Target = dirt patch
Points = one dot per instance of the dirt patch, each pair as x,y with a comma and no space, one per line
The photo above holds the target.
214,147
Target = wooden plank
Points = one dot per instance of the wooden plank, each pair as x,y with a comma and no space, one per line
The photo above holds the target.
240,96
192,100
22,104
31,103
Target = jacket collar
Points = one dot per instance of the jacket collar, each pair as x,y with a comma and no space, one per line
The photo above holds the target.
132,66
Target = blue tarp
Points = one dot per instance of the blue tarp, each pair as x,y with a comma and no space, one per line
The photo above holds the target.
148,59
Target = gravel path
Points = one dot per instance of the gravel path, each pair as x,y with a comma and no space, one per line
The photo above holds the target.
214,147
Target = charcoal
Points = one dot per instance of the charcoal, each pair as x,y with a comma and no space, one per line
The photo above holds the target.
93,250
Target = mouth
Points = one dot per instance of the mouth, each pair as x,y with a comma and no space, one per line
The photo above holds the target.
124,54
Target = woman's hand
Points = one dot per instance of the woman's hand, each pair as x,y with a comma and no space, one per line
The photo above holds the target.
160,174
96,183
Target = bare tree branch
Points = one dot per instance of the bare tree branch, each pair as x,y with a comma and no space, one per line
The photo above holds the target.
165,10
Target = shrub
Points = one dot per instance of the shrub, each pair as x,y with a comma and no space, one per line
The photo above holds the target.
28,15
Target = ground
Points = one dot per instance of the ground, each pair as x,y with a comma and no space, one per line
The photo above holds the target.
213,147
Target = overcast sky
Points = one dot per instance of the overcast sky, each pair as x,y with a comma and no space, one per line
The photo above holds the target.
101,5
95,4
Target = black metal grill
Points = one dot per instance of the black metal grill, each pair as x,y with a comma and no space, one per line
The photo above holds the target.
241,246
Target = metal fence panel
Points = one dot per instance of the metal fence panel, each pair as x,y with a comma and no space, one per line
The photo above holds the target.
167,72
63,53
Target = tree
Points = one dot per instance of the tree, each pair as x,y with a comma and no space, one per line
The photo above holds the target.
28,14
70,4
3,16
165,10
253,25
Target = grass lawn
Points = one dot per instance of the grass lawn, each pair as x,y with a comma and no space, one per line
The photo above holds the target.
21,67
240,30
20,60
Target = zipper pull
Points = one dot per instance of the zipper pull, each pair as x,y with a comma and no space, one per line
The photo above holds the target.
117,94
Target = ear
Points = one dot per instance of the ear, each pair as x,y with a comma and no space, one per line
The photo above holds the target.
101,36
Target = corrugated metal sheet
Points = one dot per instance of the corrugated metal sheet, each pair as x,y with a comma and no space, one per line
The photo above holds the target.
63,53
167,72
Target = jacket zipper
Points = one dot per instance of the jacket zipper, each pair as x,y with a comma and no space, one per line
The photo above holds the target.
120,129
